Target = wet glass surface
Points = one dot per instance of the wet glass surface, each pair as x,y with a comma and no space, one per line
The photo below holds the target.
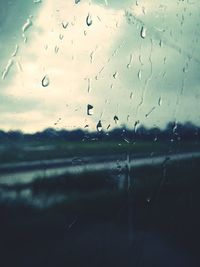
99,133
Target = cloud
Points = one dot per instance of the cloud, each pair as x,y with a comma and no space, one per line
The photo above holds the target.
107,64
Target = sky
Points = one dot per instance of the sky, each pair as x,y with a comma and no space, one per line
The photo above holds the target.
132,60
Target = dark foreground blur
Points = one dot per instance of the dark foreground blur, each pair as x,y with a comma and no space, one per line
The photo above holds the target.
91,220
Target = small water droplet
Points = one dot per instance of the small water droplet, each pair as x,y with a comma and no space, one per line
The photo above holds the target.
7,69
77,1
130,61
143,32
61,36
89,20
37,1
45,81
15,51
89,109
160,101
148,199
115,75
99,126
56,49
116,119
140,75
89,85
65,24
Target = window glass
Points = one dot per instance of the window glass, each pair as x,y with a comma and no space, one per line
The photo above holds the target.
99,132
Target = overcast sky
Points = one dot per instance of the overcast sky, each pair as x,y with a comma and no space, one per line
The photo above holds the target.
137,60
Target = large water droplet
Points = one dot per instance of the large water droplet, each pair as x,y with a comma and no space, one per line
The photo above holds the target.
89,20
143,32
89,109
45,81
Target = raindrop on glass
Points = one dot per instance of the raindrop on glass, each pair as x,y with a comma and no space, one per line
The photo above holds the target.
115,75
160,101
116,119
99,126
140,75
45,81
61,36
143,32
56,49
89,109
65,24
89,20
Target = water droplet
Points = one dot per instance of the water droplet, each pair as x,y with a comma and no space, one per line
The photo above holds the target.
61,36
130,61
19,66
26,25
160,101
37,1
126,140
56,49
143,32
148,199
89,109
147,115
15,51
89,85
89,20
45,81
140,75
7,68
116,119
65,24
131,95
99,126
77,1
115,75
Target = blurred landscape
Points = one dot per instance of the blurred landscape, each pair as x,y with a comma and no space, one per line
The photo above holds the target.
123,198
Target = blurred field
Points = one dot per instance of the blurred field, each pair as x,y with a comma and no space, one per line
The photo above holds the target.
93,223
22,151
